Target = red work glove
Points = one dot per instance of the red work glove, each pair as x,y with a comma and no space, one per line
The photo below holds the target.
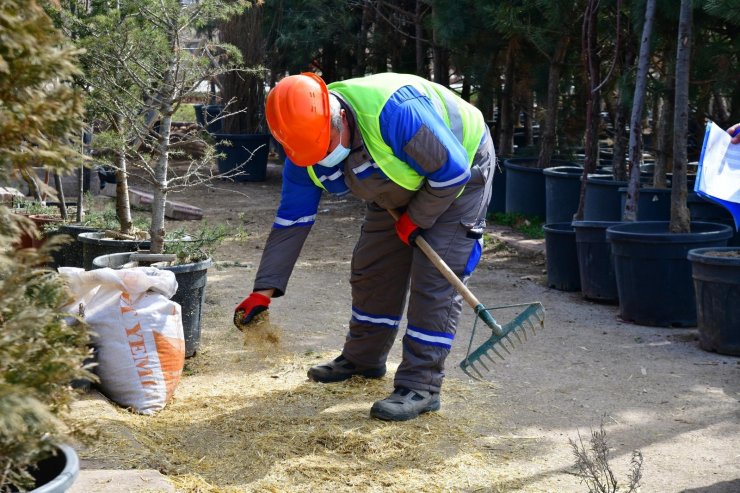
253,305
406,229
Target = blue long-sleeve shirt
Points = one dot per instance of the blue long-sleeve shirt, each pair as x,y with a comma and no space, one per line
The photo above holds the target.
416,134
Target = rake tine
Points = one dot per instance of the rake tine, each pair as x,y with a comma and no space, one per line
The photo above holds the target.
483,365
531,326
510,342
498,354
489,358
471,366
517,336
524,333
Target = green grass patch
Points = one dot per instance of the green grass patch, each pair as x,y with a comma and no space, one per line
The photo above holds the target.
529,226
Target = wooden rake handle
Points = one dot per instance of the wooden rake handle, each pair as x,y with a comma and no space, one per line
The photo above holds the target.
455,281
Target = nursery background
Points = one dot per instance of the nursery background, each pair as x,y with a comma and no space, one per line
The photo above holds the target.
132,132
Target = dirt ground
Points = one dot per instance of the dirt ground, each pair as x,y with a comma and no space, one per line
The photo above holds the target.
245,418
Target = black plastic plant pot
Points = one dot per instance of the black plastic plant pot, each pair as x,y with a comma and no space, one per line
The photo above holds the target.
243,156
70,254
562,259
562,193
653,204
702,209
56,474
525,186
498,191
96,244
598,282
209,112
716,273
190,295
602,201
653,272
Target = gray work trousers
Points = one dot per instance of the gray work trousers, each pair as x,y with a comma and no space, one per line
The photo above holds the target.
384,269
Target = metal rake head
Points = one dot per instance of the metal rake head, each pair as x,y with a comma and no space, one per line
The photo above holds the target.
533,315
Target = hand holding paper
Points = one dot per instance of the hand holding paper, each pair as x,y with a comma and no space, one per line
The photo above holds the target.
718,176
734,132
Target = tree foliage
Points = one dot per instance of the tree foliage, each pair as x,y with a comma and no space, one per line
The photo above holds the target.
40,112
41,351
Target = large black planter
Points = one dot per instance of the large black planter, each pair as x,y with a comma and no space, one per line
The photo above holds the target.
498,190
525,186
209,112
58,473
190,295
562,259
602,201
243,156
595,264
70,254
562,193
716,273
702,209
96,244
653,204
652,272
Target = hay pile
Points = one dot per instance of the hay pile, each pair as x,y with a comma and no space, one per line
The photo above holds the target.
245,418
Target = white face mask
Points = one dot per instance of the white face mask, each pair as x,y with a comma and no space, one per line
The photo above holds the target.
336,156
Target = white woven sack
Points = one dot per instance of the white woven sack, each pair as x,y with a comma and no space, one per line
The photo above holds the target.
138,332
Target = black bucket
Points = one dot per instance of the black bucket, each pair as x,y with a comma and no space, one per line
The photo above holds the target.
653,272
498,191
717,285
525,186
653,204
562,193
595,264
243,156
95,244
70,254
190,295
562,259
209,112
602,201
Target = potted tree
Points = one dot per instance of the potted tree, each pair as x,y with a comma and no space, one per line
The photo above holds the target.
652,271
40,351
164,74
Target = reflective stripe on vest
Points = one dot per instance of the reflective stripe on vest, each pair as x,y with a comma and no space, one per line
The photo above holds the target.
368,96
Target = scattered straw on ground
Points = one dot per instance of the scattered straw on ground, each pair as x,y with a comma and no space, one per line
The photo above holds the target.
246,419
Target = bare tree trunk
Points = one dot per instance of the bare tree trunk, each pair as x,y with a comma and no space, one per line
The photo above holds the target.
60,195
465,93
593,79
638,102
549,125
246,88
619,170
528,119
123,206
419,31
361,66
441,61
157,226
506,112
664,139
680,220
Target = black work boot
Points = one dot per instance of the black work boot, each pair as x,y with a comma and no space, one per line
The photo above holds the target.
404,404
341,369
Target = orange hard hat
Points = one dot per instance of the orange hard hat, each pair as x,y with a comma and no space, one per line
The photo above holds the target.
299,117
